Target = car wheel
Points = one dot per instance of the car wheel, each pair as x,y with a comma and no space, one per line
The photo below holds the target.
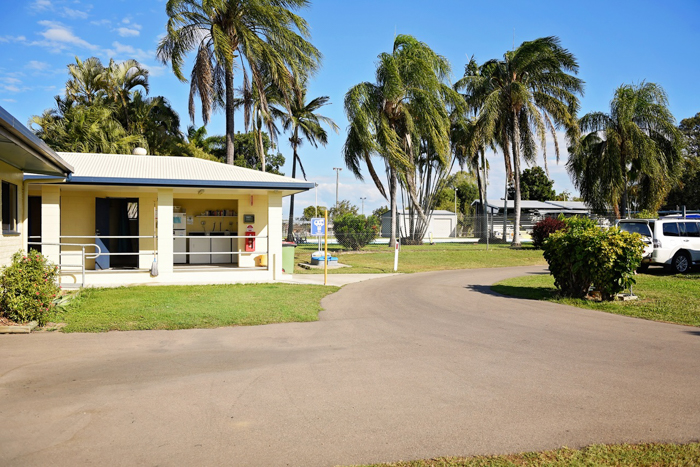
681,262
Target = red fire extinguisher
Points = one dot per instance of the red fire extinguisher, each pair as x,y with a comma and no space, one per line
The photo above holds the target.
250,242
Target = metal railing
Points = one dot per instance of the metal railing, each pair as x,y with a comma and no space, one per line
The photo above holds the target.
83,256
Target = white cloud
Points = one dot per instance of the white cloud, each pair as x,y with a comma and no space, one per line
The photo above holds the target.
74,14
58,37
41,5
101,22
12,38
155,70
37,65
123,51
126,32
10,80
9,100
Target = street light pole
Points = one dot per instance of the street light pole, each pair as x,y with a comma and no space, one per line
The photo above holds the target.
337,176
363,204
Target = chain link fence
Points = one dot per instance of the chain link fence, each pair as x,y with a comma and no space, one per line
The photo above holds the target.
469,229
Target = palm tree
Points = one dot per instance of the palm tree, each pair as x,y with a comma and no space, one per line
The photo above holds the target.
258,100
303,121
120,80
84,128
230,33
86,83
636,145
390,118
523,97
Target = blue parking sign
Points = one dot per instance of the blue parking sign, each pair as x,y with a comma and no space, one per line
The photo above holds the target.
318,226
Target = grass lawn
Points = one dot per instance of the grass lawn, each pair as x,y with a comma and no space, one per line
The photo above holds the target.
196,306
618,455
377,259
662,297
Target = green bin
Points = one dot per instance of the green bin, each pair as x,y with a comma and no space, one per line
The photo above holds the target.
288,257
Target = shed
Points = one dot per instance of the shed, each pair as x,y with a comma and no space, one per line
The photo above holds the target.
442,224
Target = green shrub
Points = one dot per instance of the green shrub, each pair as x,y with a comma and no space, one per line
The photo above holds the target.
544,228
353,231
28,288
582,255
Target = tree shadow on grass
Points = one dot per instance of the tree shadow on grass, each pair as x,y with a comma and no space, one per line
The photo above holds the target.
527,293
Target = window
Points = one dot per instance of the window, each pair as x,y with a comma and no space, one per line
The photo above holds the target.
689,229
670,229
9,207
636,227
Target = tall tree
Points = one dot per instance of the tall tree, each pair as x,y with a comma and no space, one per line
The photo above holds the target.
405,108
120,79
634,148
532,91
86,84
105,110
303,121
535,185
231,33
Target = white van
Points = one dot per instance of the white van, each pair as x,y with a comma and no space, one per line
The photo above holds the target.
675,241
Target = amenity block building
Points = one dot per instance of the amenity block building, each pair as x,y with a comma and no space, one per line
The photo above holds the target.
199,221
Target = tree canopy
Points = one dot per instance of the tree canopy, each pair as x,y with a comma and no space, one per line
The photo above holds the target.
630,157
105,110
264,39
534,186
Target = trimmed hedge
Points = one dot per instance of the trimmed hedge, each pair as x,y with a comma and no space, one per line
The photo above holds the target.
583,255
544,228
355,231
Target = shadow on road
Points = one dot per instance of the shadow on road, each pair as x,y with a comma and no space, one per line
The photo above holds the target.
526,293
694,333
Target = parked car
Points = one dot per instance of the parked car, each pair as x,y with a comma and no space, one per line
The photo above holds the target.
674,241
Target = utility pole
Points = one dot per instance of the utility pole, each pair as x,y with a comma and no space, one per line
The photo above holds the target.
363,198
337,177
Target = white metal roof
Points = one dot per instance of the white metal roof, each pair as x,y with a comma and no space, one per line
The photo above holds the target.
121,169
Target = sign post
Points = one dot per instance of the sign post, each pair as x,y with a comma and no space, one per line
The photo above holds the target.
325,247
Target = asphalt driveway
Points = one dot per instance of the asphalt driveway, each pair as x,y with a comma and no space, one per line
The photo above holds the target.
403,367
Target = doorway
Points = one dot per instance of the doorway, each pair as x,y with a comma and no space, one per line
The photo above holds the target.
117,217
34,222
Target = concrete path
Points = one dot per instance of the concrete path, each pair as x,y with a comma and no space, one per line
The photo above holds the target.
404,367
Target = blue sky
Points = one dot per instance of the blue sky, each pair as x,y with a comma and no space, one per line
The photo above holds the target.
615,42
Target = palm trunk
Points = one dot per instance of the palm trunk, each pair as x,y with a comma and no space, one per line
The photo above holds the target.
229,115
485,208
625,200
263,162
393,181
290,228
516,179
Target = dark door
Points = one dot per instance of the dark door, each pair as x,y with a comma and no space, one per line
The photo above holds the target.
102,215
34,221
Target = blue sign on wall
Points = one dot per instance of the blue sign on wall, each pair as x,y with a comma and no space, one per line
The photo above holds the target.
318,226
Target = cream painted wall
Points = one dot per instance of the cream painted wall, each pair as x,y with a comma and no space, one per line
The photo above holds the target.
275,231
11,243
77,218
